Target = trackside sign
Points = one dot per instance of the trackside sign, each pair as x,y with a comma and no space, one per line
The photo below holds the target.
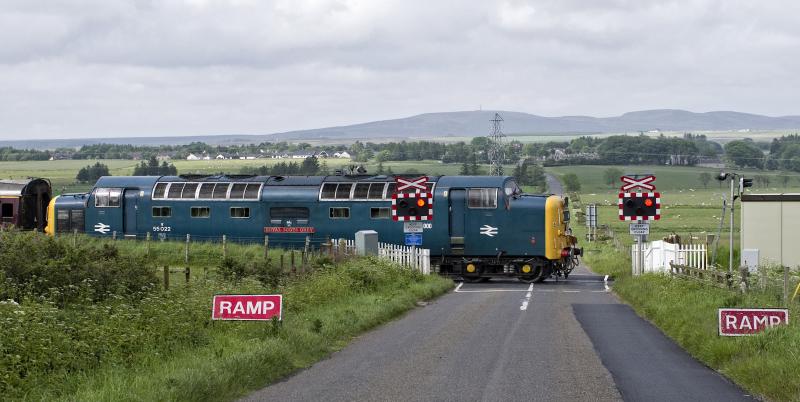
247,307
749,321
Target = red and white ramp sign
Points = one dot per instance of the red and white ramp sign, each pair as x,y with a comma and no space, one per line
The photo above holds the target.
247,307
407,185
749,321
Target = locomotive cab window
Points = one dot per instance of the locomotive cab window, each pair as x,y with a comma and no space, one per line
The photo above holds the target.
107,197
511,188
162,212
482,198
240,212
340,213
201,212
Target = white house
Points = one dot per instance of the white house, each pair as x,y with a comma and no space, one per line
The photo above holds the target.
192,157
302,155
341,154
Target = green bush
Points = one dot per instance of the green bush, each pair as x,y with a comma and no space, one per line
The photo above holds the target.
39,266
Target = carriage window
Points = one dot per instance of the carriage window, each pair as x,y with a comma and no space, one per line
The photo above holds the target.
175,190
206,191
160,190
237,192
343,191
251,192
189,190
340,213
107,197
162,212
239,212
361,191
328,191
221,191
289,213
8,211
376,191
201,212
482,198
380,213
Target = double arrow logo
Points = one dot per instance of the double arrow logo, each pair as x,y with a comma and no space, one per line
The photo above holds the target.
102,228
490,231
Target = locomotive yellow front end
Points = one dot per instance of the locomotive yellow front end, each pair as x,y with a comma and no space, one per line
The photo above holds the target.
560,244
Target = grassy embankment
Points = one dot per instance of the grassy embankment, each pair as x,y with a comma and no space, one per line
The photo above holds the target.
94,323
767,364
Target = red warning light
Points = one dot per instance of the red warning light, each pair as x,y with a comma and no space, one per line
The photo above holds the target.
648,202
420,202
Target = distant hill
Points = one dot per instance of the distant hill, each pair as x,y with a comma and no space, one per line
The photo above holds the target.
471,123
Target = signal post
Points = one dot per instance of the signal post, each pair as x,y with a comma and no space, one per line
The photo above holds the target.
639,208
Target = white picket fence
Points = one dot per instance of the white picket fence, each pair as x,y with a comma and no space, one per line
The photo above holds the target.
408,256
659,254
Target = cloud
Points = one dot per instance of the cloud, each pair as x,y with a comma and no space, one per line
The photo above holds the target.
147,67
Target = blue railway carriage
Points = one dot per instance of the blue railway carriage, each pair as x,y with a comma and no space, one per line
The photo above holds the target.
483,226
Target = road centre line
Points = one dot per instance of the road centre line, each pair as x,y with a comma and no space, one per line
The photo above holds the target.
527,299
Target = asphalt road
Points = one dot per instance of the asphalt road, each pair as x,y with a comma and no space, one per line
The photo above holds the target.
553,185
509,341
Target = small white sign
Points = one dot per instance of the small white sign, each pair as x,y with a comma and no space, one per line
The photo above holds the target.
413,227
640,228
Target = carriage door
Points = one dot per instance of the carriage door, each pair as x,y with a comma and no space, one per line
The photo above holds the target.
457,199
131,206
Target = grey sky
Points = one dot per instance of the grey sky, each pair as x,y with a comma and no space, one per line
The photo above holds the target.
97,68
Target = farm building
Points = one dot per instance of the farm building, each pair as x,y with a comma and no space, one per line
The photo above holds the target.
769,229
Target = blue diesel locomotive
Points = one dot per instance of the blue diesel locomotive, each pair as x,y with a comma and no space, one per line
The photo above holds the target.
483,226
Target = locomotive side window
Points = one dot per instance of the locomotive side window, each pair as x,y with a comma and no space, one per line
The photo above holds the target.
289,213
340,213
221,191
107,197
175,190
240,212
237,192
380,213
328,191
376,191
7,212
361,191
343,191
76,219
62,220
189,190
251,192
206,191
482,198
162,212
160,190
200,212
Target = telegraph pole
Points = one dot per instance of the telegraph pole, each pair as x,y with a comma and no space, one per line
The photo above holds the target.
496,155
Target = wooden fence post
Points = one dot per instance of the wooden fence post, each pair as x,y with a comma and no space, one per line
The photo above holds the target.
74,237
147,244
342,248
224,246
266,247
186,250
282,262
114,235
786,286
292,260
166,277
187,272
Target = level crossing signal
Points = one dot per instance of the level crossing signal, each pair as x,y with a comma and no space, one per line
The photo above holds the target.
412,206
639,206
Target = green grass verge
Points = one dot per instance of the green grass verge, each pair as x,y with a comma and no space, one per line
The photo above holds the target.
767,364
